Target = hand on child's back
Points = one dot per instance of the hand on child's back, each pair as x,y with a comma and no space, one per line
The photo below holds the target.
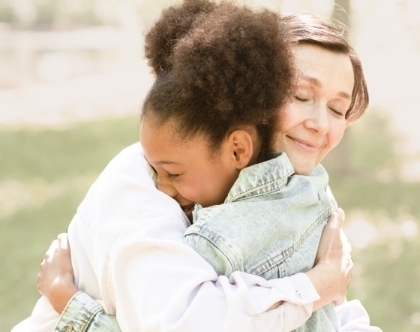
55,278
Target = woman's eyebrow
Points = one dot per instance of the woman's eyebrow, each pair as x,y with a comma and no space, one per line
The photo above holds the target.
318,84
312,80
344,95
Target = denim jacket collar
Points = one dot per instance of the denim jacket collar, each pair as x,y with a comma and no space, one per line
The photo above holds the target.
262,178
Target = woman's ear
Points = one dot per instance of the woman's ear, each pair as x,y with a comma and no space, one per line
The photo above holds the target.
241,147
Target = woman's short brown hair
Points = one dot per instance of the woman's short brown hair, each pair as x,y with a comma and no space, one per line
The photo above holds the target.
307,28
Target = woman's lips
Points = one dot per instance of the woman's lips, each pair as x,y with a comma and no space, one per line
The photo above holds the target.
306,145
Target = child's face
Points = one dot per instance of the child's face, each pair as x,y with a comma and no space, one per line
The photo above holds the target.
314,122
187,170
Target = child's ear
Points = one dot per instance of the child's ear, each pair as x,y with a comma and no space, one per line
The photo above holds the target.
242,148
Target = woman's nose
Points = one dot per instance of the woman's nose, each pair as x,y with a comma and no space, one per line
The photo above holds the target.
318,119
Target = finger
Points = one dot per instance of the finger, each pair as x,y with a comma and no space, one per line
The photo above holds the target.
346,244
336,219
350,266
341,213
50,252
39,287
62,241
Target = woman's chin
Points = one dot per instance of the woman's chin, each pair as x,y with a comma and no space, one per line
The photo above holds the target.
303,168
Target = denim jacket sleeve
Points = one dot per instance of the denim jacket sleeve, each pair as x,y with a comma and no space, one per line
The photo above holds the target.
90,316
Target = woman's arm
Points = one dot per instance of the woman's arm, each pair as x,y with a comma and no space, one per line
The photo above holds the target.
285,297
56,278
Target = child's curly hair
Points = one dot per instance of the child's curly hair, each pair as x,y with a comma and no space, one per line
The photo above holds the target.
174,23
229,66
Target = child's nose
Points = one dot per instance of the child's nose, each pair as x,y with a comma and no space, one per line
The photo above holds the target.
166,188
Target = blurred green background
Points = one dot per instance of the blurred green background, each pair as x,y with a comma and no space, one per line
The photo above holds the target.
72,77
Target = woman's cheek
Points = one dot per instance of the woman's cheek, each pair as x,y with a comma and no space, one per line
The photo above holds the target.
284,117
337,132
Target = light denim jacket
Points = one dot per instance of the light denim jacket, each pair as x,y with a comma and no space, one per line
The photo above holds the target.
269,225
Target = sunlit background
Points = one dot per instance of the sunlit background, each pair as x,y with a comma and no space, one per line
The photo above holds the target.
72,79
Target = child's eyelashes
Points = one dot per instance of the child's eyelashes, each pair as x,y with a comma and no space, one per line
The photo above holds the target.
173,176
154,170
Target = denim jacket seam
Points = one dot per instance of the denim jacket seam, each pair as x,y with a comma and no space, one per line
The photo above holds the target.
282,179
92,317
220,243
221,250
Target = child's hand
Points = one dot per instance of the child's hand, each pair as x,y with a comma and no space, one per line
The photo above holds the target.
55,279
331,274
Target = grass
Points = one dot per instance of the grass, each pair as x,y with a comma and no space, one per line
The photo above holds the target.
44,175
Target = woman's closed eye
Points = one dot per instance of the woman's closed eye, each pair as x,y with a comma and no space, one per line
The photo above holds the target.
301,99
338,108
338,112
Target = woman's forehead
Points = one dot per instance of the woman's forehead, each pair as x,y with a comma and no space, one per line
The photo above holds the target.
321,68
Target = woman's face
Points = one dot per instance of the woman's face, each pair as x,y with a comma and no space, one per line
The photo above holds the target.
313,123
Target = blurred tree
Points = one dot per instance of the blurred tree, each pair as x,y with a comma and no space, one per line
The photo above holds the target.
374,165
387,280
341,18
376,148
342,14
6,12
47,14
370,150
391,290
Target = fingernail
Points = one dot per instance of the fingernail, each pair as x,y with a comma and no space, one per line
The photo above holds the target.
341,213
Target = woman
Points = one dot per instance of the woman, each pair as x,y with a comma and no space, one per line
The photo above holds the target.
207,292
